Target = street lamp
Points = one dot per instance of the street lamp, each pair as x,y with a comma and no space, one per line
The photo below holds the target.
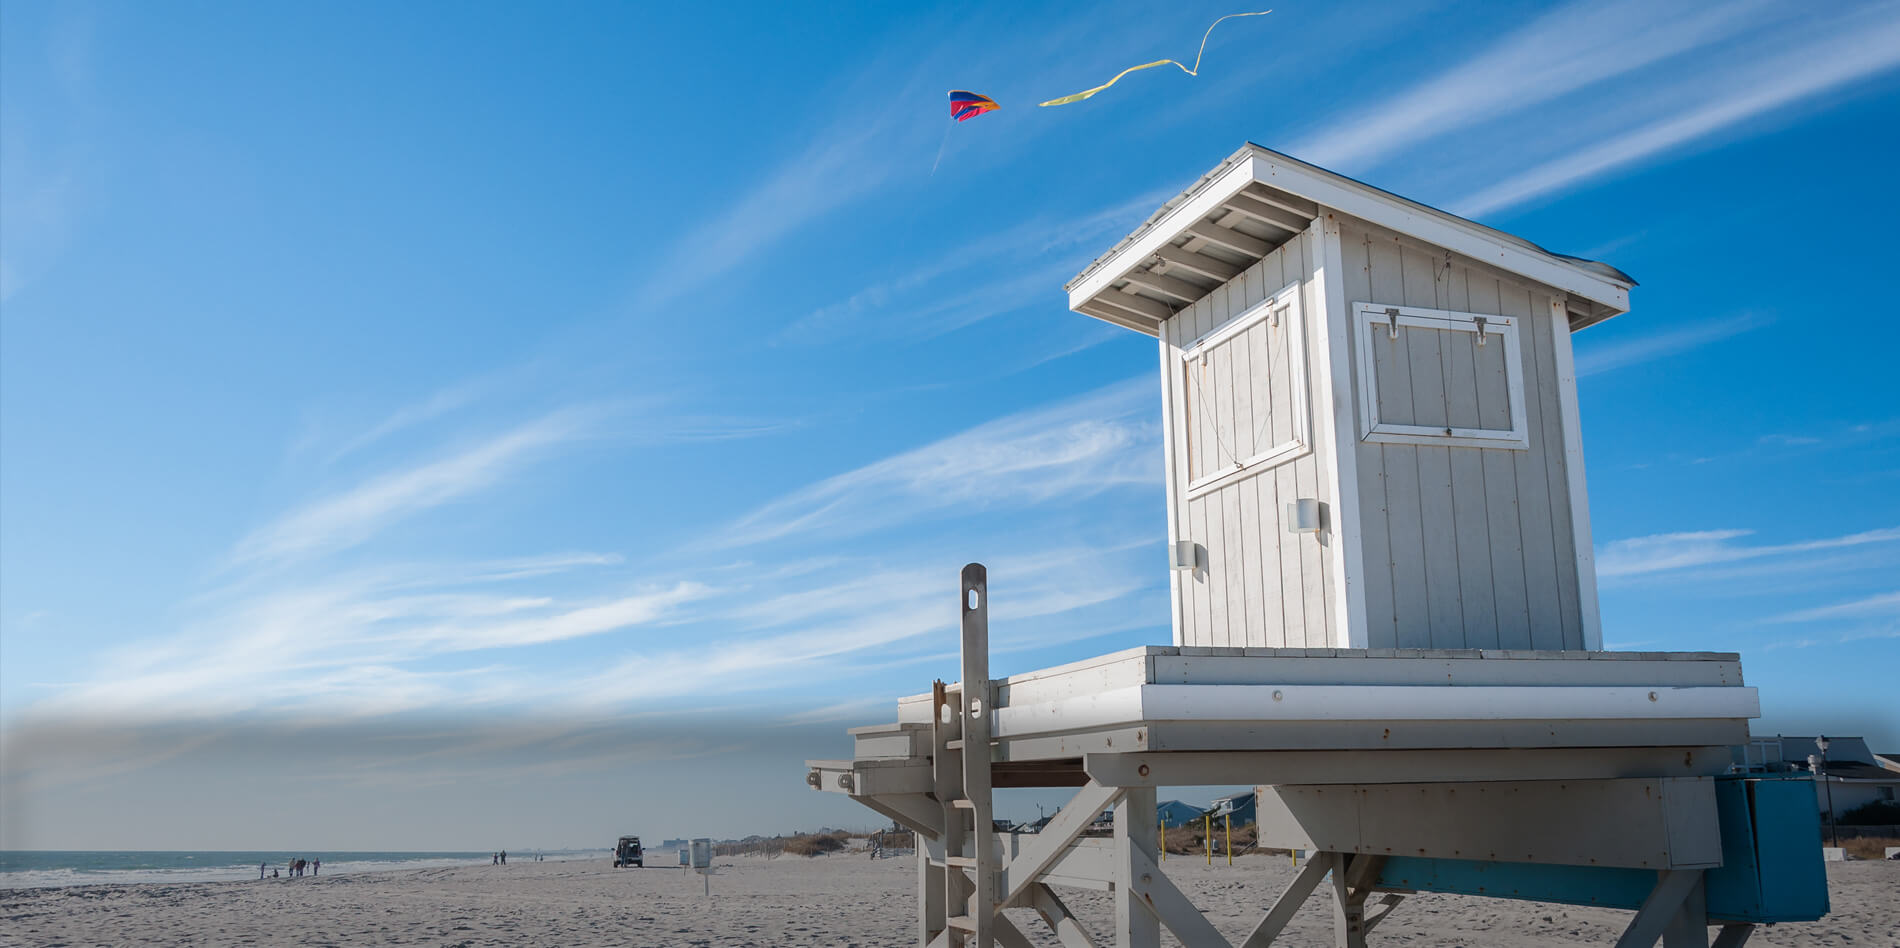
1822,742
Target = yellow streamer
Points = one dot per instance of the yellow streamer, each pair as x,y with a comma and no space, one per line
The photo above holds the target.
1065,100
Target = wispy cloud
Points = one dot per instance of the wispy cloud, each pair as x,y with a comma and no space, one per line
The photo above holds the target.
1673,551
1071,450
296,630
429,409
1884,605
1041,252
1595,359
1579,45
357,514
1849,50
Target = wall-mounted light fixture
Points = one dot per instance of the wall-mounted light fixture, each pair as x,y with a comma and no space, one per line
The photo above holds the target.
1302,516
1183,554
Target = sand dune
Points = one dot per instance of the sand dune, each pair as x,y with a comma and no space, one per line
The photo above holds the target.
843,900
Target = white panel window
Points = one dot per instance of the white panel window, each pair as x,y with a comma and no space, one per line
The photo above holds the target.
1244,385
1430,376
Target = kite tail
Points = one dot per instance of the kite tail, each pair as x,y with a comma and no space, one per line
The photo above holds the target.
1065,100
940,148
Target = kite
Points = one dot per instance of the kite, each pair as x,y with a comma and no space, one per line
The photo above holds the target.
968,105
1065,100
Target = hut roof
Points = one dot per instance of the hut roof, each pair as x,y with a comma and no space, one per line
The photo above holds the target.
1258,199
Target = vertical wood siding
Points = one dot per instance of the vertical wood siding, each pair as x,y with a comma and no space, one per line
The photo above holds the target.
1256,584
1463,547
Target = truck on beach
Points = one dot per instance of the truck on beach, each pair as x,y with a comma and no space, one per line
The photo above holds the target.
627,853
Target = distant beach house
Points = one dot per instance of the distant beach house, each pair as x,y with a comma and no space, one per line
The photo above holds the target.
1239,807
1176,813
1851,778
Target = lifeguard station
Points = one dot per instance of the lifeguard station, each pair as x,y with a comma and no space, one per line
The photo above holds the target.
1385,610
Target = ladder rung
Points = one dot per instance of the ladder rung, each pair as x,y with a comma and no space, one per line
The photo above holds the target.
961,862
964,922
963,804
955,745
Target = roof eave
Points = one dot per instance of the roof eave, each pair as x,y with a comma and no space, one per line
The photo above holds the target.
1603,295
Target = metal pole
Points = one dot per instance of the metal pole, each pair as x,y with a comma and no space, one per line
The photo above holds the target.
1829,784
1207,836
1230,839
1161,837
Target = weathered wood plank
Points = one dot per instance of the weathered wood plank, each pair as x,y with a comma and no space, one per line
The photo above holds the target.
1375,528
1404,513
1533,494
1510,626
1249,409
1271,629
1233,565
1424,347
1557,482
1285,478
1314,600
1468,500
1203,457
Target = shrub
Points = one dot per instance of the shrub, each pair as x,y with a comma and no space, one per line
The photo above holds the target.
816,844
1869,847
1877,813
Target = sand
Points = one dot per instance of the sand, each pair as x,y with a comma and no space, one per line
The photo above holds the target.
842,900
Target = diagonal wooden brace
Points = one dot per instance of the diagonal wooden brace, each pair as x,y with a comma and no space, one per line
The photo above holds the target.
1039,854
1058,917
1288,903
1158,894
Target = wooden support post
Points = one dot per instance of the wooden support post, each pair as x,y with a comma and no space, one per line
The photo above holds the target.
1349,922
1689,928
1228,846
930,889
974,917
1135,925
1207,836
1665,902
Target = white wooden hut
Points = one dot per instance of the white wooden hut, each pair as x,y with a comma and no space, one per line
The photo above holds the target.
1385,611
1404,372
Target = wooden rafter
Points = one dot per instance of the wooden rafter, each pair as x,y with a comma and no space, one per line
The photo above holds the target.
1161,283
1231,239
1281,199
1268,214
1199,263
1139,305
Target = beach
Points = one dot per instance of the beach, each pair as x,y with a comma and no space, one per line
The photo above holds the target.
844,899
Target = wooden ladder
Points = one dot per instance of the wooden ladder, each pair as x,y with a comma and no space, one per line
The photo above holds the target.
960,738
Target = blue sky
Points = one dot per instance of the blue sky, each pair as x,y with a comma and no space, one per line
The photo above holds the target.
443,407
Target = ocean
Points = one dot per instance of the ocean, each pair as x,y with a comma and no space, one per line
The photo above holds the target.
27,869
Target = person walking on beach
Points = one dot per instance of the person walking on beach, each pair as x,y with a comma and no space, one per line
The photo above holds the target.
260,870
316,865
504,857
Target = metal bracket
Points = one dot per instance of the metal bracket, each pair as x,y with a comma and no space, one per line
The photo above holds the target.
1392,320
1480,321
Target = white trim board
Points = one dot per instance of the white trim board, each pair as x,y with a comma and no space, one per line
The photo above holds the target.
1335,439
1148,703
1573,467
1375,323
1292,330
